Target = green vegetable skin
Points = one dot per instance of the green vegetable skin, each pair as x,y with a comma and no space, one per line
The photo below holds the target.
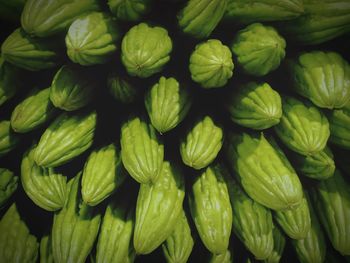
121,88
129,10
339,123
9,83
8,185
8,139
46,250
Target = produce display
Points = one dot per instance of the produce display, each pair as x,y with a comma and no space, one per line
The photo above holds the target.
175,131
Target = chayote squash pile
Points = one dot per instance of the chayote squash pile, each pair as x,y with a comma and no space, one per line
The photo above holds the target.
174,131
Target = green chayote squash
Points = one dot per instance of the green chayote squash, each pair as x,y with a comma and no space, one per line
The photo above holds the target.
259,49
145,50
102,175
67,137
211,64
261,10
295,222
11,10
225,257
141,150
167,104
122,88
313,247
264,171
303,127
158,209
16,242
9,82
252,223
323,78
33,111
44,187
29,53
279,242
255,105
74,228
339,124
332,203
44,18
115,239
8,139
178,246
92,39
129,10
200,17
211,208
46,249
202,143
71,89
8,185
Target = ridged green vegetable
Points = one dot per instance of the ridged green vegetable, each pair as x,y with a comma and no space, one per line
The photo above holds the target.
303,128
8,139
92,39
71,89
279,242
8,185
145,50
339,123
167,104
11,10
295,222
202,143
46,250
67,137
246,12
323,78
255,105
200,17
264,171
129,10
74,228
178,246
33,111
44,187
211,208
332,204
102,175
44,18
16,242
115,239
225,257
252,223
259,49
29,53
9,83
141,150
211,64
121,88
158,209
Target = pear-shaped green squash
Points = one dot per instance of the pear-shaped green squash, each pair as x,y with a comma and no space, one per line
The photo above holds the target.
16,242
252,223
44,18
246,12
33,111
295,222
71,89
167,104
67,137
313,247
202,143
74,228
225,257
332,203
158,209
9,80
46,255
129,10
339,124
200,17
145,50
8,185
122,88
211,208
92,39
259,49
211,64
141,150
29,53
8,139
279,242
255,105
11,10
178,246
115,239
264,171
303,127
44,187
102,175
323,78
